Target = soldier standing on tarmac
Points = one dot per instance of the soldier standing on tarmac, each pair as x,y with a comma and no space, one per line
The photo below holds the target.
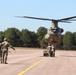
0,53
5,44
52,50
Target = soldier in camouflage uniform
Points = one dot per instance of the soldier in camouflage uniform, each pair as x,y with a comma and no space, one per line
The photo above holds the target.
52,51
0,53
4,48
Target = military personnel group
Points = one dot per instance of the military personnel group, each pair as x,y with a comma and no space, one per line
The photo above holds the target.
4,50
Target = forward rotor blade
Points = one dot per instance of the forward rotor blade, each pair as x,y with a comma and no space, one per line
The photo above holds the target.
34,18
68,18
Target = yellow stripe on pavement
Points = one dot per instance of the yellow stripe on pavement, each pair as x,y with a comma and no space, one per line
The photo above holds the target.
31,66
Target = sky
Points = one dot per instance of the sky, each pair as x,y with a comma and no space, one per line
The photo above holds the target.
53,9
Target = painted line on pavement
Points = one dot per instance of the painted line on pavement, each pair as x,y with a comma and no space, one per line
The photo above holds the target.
27,69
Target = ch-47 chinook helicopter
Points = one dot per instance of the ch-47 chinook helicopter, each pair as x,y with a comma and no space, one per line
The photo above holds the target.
54,32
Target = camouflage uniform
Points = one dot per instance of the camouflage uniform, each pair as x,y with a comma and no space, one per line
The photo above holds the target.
52,51
4,48
0,53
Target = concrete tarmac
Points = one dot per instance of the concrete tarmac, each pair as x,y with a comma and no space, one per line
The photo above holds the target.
30,61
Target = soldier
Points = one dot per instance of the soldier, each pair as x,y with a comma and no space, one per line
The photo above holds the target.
0,53
4,48
52,51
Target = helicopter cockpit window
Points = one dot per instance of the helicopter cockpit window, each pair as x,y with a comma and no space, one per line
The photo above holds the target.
53,30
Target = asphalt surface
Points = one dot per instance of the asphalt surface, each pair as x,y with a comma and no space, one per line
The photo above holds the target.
29,61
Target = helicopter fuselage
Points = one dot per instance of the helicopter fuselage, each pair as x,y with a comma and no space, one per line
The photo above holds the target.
54,34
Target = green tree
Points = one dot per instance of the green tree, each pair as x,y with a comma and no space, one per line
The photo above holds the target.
1,36
14,36
68,41
29,38
26,37
41,32
74,38
34,41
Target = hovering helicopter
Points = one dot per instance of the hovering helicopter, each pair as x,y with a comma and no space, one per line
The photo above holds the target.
54,32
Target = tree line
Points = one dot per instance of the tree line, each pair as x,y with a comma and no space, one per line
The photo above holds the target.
26,38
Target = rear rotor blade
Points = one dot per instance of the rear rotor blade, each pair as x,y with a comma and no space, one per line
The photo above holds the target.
64,21
68,18
71,20
34,18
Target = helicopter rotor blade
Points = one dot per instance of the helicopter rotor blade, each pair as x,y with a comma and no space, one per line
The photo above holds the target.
68,18
71,20
64,21
34,18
